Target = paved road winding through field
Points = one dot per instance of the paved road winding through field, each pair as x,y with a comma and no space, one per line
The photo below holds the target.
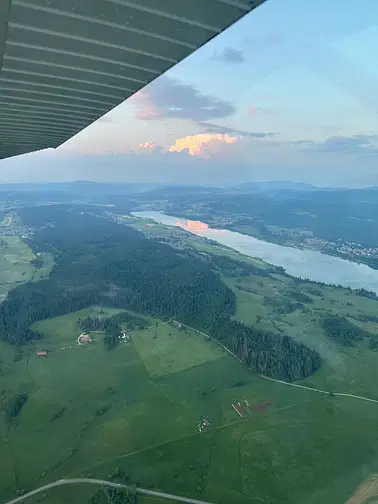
73,481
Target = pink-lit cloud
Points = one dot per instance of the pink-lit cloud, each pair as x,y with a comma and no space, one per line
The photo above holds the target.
147,145
145,109
203,144
147,148
170,98
251,110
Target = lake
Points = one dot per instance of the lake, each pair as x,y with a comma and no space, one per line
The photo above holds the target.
299,263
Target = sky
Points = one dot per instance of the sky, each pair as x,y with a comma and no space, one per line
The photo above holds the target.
287,93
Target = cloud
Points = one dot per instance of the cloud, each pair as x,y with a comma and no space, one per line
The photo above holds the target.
230,56
253,110
169,98
215,128
158,166
356,144
146,110
148,148
203,144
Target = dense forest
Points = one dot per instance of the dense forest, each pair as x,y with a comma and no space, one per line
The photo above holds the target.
267,353
100,262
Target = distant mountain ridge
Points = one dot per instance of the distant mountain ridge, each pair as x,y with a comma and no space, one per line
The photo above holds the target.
279,185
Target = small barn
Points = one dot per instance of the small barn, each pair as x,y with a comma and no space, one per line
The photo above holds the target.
42,353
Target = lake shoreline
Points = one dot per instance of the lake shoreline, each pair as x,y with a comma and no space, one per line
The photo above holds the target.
305,264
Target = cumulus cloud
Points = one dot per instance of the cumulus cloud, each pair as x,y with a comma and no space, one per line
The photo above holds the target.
203,144
153,165
230,56
169,98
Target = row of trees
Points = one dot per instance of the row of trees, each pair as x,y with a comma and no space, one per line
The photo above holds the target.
342,331
14,406
112,325
95,323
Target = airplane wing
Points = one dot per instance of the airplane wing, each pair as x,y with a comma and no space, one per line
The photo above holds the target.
65,63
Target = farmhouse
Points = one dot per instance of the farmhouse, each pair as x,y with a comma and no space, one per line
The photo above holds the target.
84,338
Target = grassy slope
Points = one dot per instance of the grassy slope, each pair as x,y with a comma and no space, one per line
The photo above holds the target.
302,444
15,267
305,447
353,370
161,349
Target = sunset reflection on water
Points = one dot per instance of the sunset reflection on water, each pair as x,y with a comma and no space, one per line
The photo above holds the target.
197,226
299,263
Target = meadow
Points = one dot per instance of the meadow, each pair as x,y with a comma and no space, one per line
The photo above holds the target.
16,266
94,412
135,410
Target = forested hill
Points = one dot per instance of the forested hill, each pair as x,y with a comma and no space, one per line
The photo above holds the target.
101,262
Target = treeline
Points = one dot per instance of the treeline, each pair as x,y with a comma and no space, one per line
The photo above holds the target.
234,268
312,290
342,331
93,323
271,354
366,293
112,325
38,262
373,343
14,406
300,296
98,262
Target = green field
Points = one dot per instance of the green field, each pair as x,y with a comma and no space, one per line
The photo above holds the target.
15,266
166,349
93,412
134,410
